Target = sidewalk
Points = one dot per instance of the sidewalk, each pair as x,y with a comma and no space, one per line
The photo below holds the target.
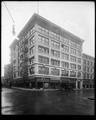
34,89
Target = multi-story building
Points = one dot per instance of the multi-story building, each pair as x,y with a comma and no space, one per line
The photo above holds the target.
88,71
54,54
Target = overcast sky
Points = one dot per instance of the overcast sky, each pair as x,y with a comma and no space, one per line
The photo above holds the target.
76,17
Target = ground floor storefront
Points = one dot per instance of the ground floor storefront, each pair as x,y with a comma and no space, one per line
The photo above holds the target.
88,83
49,83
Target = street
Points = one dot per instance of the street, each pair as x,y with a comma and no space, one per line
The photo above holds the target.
24,102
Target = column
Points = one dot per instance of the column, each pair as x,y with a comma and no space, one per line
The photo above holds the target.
81,84
76,84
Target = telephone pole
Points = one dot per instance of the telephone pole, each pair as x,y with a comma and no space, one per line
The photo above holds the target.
13,26
37,7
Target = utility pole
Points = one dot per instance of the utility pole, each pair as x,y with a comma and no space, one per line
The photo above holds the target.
13,26
37,7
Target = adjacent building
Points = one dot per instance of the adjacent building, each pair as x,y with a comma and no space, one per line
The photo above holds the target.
49,53
88,71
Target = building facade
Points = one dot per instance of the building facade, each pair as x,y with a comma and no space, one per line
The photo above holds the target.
88,71
54,55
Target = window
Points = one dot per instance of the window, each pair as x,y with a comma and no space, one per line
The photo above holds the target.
91,70
84,62
65,64
21,57
32,70
72,73
43,30
55,53
54,35
65,56
31,60
42,59
84,75
79,60
55,62
72,66
87,76
72,58
14,61
73,44
79,67
43,70
44,50
65,41
79,74
78,46
91,63
87,69
64,73
14,75
32,40
55,71
43,40
73,51
84,68
78,52
55,44
87,62
32,50
14,68
32,30
64,48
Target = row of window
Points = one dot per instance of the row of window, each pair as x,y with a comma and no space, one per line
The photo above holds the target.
88,76
32,40
43,40
56,53
43,50
42,59
64,72
54,62
32,50
55,71
75,45
75,52
64,48
43,30
88,69
85,62
28,35
56,45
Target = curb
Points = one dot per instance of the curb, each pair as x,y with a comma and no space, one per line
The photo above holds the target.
34,89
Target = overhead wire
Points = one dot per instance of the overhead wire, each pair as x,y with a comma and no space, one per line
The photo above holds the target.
13,27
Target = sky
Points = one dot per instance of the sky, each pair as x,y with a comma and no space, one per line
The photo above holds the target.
75,17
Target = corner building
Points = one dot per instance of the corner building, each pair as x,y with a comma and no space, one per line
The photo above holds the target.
54,55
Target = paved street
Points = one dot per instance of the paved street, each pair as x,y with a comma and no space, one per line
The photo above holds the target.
47,102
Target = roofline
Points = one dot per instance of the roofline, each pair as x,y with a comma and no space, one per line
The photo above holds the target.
62,29
14,42
48,21
88,55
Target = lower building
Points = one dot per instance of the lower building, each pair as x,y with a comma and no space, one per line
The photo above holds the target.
88,71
